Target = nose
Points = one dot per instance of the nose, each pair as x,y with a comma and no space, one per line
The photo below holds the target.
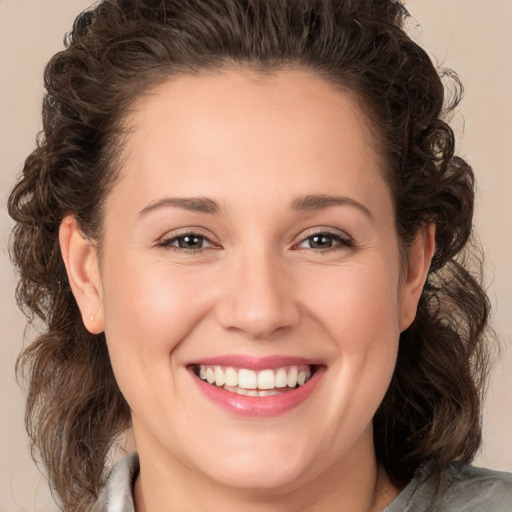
258,297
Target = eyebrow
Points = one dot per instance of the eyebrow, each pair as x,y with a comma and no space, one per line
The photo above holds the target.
319,202
194,204
209,206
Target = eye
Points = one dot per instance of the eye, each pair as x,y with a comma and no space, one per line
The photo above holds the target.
324,241
187,242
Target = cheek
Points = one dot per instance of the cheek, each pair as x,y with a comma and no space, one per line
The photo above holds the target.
357,307
358,304
146,319
149,314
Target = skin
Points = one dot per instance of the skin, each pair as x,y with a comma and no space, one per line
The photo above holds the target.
254,145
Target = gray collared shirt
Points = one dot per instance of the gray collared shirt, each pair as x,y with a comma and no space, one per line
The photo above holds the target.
459,488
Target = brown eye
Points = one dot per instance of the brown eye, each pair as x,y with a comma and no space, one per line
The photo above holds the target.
190,242
187,242
324,241
320,241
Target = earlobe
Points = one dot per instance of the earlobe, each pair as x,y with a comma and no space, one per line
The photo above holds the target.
80,257
420,255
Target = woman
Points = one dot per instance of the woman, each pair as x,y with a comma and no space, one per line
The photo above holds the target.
244,227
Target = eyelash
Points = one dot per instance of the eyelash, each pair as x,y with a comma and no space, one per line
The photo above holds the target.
167,243
337,242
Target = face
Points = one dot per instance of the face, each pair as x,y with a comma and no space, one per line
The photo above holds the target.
249,284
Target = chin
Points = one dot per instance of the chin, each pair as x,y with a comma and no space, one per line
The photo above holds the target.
260,464
258,474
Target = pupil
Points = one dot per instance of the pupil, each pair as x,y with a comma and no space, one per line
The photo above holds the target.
320,241
190,242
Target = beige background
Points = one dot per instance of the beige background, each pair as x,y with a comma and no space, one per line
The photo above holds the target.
472,36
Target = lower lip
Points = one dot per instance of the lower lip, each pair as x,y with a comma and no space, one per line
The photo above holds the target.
260,406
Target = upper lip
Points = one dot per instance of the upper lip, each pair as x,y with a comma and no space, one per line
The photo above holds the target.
254,363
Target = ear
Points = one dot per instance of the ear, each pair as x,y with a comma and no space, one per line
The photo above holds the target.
80,257
420,255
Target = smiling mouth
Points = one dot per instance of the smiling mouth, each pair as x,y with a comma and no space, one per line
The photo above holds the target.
247,382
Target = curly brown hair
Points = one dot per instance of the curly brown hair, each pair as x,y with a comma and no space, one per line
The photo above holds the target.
120,49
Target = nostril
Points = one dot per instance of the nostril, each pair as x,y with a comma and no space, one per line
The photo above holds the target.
258,320
259,297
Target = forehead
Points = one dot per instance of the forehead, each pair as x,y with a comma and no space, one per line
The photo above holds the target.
288,128
295,95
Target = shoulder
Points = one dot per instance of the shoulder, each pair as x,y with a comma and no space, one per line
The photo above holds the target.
457,488
117,495
460,473
476,489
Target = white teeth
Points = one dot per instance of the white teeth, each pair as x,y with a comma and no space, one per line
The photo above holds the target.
253,383
210,375
268,392
292,377
247,379
281,378
219,376
266,380
237,390
252,392
231,377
